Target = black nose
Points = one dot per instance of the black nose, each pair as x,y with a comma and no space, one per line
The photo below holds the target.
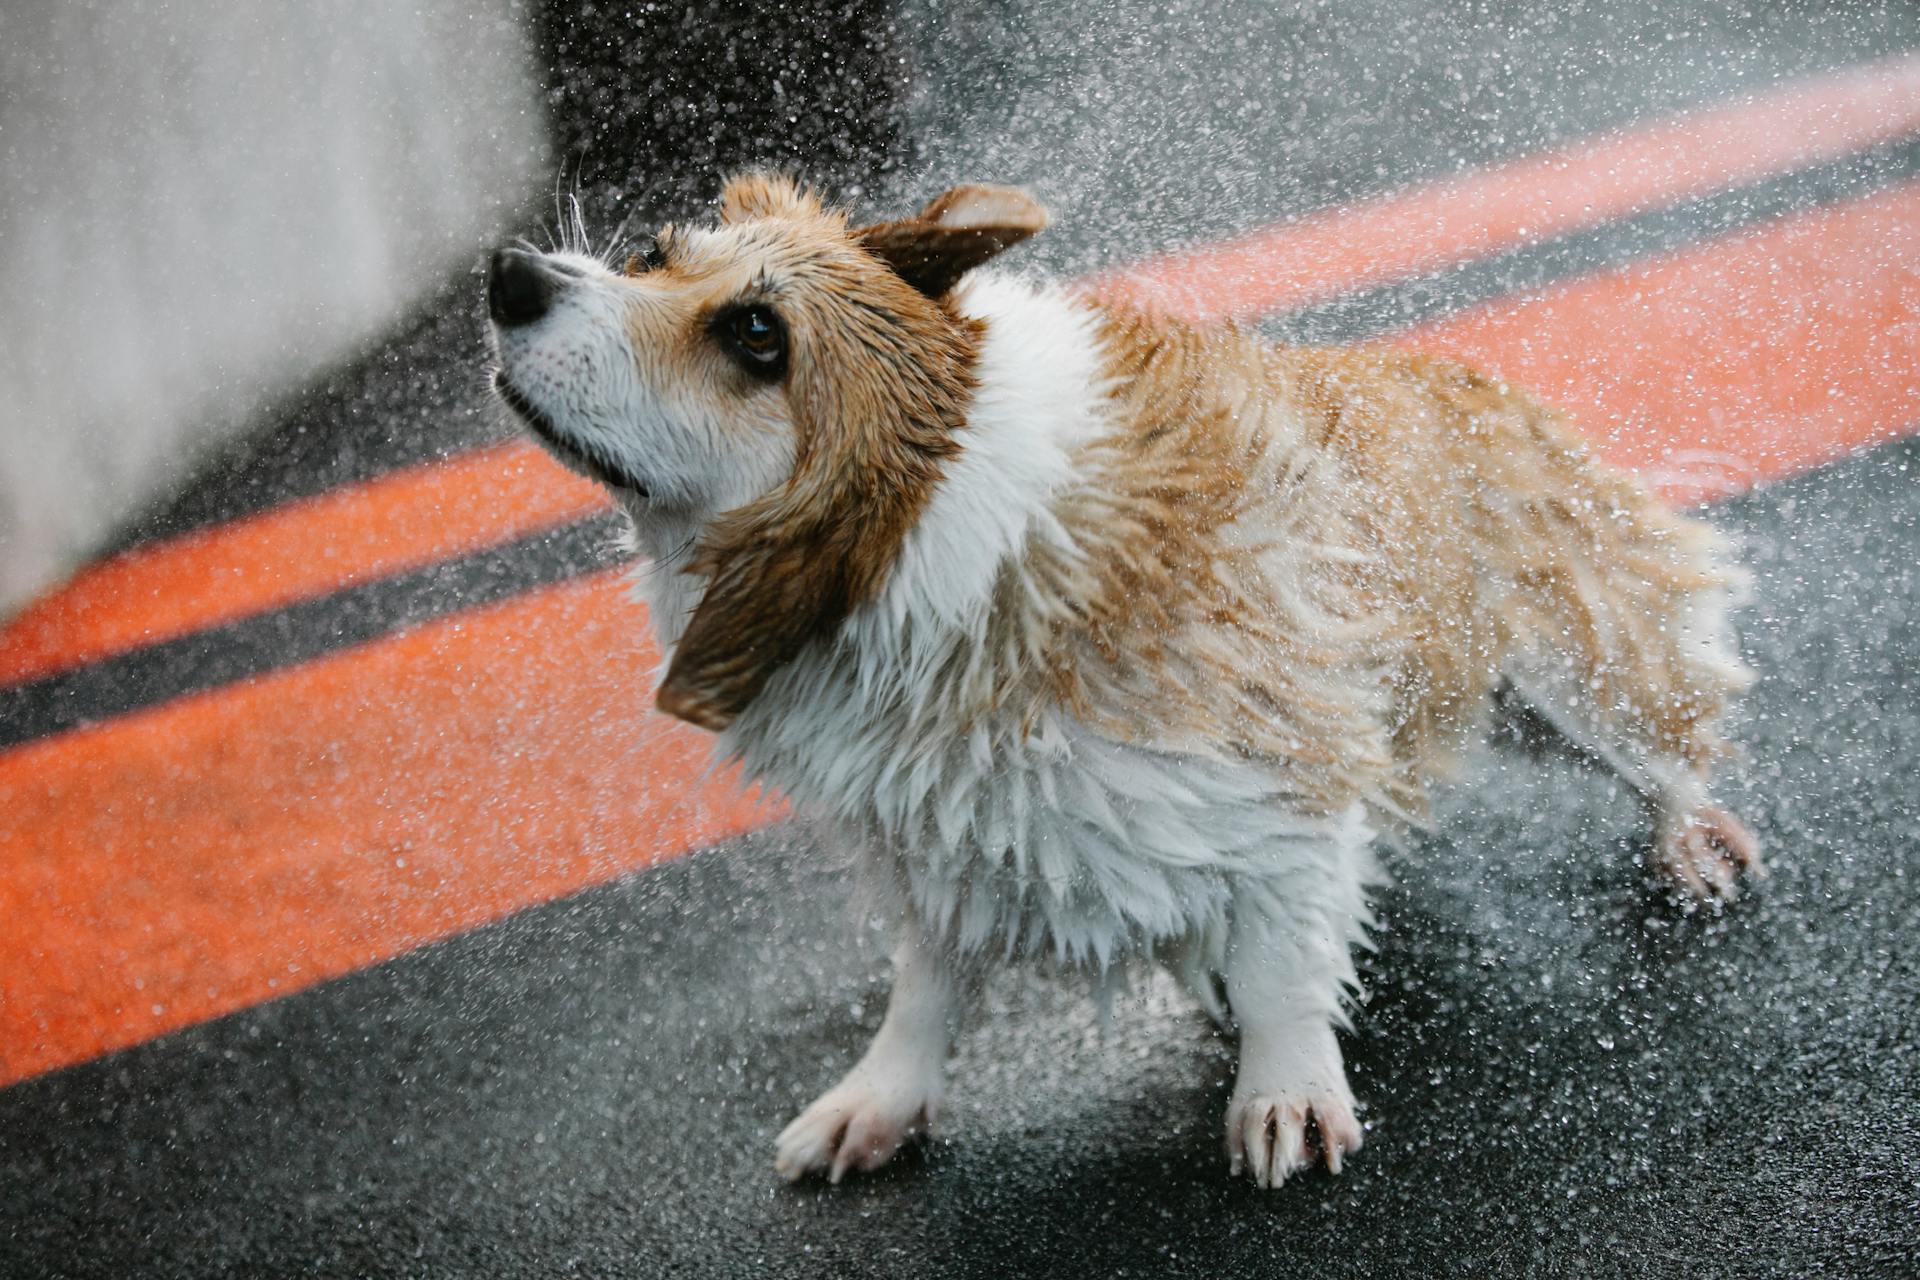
520,287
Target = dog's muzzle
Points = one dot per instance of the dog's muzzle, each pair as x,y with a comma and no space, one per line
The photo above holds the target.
520,287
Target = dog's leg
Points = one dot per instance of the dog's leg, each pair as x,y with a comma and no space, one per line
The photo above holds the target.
895,1090
1289,963
1699,849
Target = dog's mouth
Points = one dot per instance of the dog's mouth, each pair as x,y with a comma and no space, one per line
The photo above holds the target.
588,462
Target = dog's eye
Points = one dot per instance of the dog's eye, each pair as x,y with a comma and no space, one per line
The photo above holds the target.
756,339
647,256
757,332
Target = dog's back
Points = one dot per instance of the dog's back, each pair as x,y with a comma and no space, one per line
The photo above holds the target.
1309,512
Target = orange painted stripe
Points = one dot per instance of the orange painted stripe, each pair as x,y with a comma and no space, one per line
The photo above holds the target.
192,859
416,517
1436,224
403,520
205,855
1731,363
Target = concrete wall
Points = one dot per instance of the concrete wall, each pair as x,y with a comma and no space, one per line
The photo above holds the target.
204,202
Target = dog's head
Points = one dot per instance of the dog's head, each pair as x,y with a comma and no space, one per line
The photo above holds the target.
783,383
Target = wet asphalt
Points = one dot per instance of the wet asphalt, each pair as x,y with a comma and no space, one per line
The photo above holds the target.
1561,1075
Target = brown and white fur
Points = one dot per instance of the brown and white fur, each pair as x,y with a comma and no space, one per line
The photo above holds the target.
1098,635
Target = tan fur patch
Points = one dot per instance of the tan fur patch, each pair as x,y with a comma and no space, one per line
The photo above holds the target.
1321,559
766,194
1222,601
1473,484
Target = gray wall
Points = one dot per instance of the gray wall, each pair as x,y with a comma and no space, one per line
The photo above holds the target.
204,202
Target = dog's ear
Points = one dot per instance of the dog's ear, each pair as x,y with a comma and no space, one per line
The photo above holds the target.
776,578
958,231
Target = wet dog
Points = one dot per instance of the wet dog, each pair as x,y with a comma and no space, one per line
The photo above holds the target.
1099,636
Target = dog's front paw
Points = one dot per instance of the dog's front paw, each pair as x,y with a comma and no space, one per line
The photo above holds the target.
858,1124
1276,1133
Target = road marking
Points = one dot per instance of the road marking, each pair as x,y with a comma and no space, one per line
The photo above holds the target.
1730,363
1443,223
406,519
234,846
411,518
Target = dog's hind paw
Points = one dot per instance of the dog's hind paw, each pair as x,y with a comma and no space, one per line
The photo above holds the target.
1700,856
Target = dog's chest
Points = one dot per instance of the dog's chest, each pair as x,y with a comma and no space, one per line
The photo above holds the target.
1050,841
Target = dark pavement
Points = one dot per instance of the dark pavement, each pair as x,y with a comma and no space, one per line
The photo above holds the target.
1561,1077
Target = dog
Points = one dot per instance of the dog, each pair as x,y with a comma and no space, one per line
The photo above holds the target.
1097,636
